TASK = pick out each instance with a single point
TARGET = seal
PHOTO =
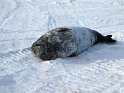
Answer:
(67, 42)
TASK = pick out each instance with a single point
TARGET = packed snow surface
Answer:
(100, 69)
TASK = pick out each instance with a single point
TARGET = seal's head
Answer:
(44, 50)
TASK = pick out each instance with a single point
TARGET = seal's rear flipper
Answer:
(109, 39)
(109, 36)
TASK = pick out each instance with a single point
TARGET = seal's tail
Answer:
(109, 39)
(103, 39)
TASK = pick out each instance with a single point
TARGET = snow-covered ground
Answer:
(97, 70)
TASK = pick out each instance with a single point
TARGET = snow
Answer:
(98, 70)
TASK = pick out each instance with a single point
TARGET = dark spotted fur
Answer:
(57, 43)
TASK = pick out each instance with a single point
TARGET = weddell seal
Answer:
(67, 42)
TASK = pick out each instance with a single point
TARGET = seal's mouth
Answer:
(48, 56)
(47, 51)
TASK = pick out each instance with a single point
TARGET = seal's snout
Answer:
(44, 50)
(35, 48)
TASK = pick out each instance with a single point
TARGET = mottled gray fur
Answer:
(67, 41)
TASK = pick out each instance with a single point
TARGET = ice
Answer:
(100, 69)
